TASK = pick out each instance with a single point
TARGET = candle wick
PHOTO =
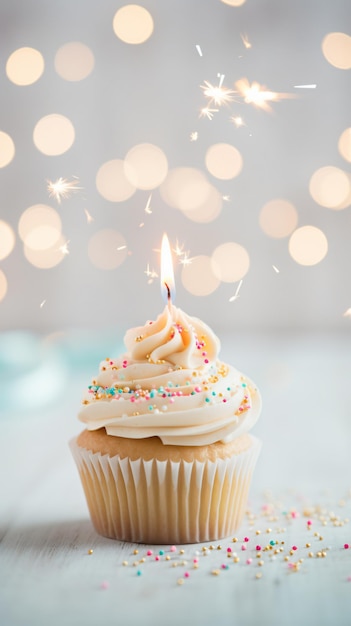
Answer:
(169, 299)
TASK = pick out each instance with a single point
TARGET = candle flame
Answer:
(167, 275)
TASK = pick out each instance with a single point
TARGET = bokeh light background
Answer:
(112, 97)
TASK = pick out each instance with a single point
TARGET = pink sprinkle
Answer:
(229, 549)
(223, 566)
(198, 389)
(105, 584)
(149, 553)
(111, 362)
(243, 547)
(171, 400)
(295, 514)
(196, 560)
(258, 548)
(173, 549)
(186, 574)
(224, 399)
(204, 353)
(291, 565)
(294, 548)
(248, 561)
(346, 546)
(348, 579)
(157, 558)
(246, 539)
(309, 522)
(206, 361)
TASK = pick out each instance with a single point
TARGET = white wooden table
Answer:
(47, 575)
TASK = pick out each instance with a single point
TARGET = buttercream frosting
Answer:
(170, 383)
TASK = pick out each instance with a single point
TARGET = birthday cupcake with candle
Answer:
(167, 456)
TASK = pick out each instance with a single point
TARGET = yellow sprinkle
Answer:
(308, 545)
(258, 555)
(142, 560)
(258, 575)
(260, 563)
(286, 558)
(195, 566)
(211, 547)
(181, 551)
(316, 534)
(175, 564)
(236, 559)
(135, 563)
(258, 532)
(235, 539)
(310, 554)
(203, 548)
(168, 558)
(125, 563)
(90, 551)
(324, 553)
(319, 554)
(216, 572)
(291, 552)
(269, 530)
(136, 551)
(180, 581)
(219, 547)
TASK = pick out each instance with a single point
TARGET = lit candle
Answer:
(167, 275)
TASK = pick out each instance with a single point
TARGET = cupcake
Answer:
(166, 456)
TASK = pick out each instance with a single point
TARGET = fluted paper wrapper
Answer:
(164, 501)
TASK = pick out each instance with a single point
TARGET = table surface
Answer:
(48, 576)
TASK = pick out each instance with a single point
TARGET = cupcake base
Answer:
(145, 492)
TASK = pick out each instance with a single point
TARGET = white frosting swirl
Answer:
(170, 384)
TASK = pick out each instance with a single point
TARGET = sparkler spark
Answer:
(226, 198)
(150, 273)
(89, 217)
(347, 313)
(194, 136)
(62, 188)
(217, 94)
(236, 295)
(206, 112)
(238, 121)
(245, 40)
(258, 95)
(186, 260)
(199, 50)
(121, 248)
(42, 304)
(147, 209)
(64, 248)
(305, 86)
(179, 249)
(275, 269)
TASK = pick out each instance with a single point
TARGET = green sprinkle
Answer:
(272, 543)
(139, 572)
(161, 552)
(207, 399)
(150, 407)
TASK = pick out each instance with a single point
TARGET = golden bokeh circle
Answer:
(344, 144)
(330, 187)
(308, 245)
(74, 61)
(336, 48)
(39, 227)
(133, 24)
(198, 277)
(146, 166)
(112, 182)
(24, 66)
(209, 210)
(223, 161)
(7, 149)
(230, 262)
(278, 218)
(53, 134)
(48, 257)
(3, 285)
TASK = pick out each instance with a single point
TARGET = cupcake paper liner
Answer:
(165, 502)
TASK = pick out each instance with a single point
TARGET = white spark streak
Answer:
(198, 48)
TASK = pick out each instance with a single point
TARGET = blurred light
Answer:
(48, 257)
(53, 134)
(7, 240)
(39, 227)
(330, 187)
(7, 149)
(107, 249)
(278, 218)
(133, 24)
(258, 95)
(344, 144)
(336, 48)
(74, 61)
(198, 278)
(234, 3)
(3, 285)
(230, 262)
(112, 182)
(185, 188)
(25, 66)
(146, 166)
(209, 210)
(223, 161)
(308, 245)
